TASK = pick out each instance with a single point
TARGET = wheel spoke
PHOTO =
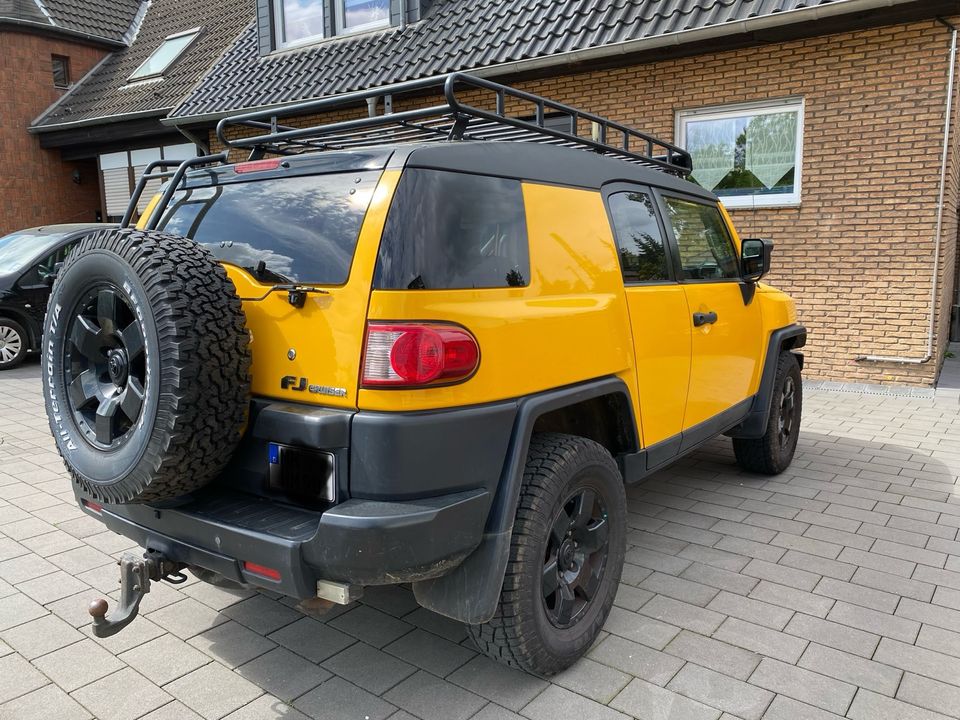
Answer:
(132, 340)
(107, 310)
(589, 583)
(595, 536)
(551, 579)
(106, 419)
(83, 389)
(131, 400)
(560, 526)
(88, 339)
(566, 599)
(583, 508)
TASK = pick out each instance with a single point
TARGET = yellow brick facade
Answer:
(858, 253)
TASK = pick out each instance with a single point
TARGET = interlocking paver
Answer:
(833, 634)
(851, 669)
(110, 698)
(637, 660)
(213, 691)
(287, 675)
(77, 665)
(429, 697)
(594, 680)
(18, 677)
(803, 685)
(164, 659)
(873, 621)
(721, 692)
(47, 703)
(643, 700)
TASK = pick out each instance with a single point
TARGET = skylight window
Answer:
(164, 56)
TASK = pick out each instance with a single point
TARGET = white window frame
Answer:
(340, 15)
(766, 107)
(193, 32)
(279, 27)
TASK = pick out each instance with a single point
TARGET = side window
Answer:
(448, 230)
(40, 273)
(706, 250)
(639, 240)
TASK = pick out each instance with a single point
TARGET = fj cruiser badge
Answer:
(301, 384)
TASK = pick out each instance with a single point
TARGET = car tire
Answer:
(14, 344)
(146, 363)
(773, 453)
(572, 502)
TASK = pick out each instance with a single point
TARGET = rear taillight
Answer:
(418, 354)
(257, 165)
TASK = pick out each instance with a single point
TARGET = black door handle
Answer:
(700, 318)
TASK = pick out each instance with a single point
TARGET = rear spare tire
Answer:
(146, 363)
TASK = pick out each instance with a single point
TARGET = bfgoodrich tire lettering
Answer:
(529, 630)
(144, 329)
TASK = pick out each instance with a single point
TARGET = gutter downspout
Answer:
(940, 203)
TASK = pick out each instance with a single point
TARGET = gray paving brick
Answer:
(312, 639)
(261, 614)
(883, 624)
(833, 634)
(714, 654)
(930, 614)
(807, 545)
(744, 531)
(77, 665)
(489, 712)
(655, 542)
(637, 660)
(935, 576)
(657, 561)
(871, 706)
(840, 537)
(827, 521)
(920, 661)
(909, 553)
(437, 624)
(818, 565)
(681, 614)
(894, 534)
(771, 643)
(46, 703)
(715, 557)
(496, 682)
(800, 684)
(186, 618)
(687, 518)
(757, 611)
(719, 578)
(750, 548)
(231, 644)
(643, 700)
(630, 597)
(852, 669)
(164, 659)
(286, 675)
(875, 561)
(920, 526)
(857, 594)
(784, 708)
(431, 652)
(640, 628)
(679, 589)
(110, 698)
(428, 697)
(41, 636)
(893, 584)
(721, 692)
(930, 694)
(267, 707)
(17, 678)
(792, 598)
(948, 597)
(934, 638)
(869, 516)
(594, 680)
(213, 691)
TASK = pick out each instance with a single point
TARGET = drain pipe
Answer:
(940, 202)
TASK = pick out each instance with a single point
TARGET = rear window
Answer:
(303, 229)
(448, 230)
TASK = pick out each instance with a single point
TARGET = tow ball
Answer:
(136, 572)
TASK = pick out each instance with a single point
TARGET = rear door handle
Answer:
(700, 318)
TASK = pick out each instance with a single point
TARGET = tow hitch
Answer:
(136, 572)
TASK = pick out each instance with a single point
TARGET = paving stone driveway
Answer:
(832, 590)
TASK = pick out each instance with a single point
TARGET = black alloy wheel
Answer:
(105, 371)
(576, 557)
(788, 406)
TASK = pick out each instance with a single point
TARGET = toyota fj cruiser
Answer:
(426, 347)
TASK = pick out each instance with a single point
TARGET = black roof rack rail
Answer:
(176, 177)
(481, 115)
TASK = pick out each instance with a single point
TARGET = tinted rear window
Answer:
(303, 229)
(448, 230)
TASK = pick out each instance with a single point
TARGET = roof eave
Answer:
(626, 47)
(48, 29)
(100, 120)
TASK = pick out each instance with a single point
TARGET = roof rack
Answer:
(482, 115)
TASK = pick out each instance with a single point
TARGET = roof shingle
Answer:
(99, 19)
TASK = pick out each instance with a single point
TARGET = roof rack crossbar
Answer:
(176, 178)
(465, 114)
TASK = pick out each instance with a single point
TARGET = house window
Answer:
(164, 56)
(300, 21)
(61, 71)
(749, 155)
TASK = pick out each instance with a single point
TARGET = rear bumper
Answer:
(363, 542)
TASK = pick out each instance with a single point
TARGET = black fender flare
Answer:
(470, 592)
(791, 337)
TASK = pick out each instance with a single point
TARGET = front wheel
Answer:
(566, 556)
(13, 344)
(773, 453)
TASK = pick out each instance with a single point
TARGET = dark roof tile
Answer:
(113, 20)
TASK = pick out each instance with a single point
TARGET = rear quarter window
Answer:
(448, 230)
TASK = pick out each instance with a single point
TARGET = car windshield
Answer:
(300, 229)
(20, 248)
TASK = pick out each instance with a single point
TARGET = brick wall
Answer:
(857, 255)
(36, 186)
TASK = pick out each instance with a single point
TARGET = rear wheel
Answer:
(566, 557)
(773, 453)
(13, 344)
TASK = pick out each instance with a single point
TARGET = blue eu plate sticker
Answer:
(274, 453)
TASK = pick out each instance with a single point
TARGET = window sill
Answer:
(323, 40)
(793, 204)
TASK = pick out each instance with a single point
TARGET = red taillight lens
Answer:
(257, 165)
(268, 573)
(417, 354)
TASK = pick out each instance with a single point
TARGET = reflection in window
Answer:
(163, 57)
(639, 239)
(747, 155)
(298, 20)
(302, 229)
(706, 250)
(353, 15)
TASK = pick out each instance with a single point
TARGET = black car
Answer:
(28, 265)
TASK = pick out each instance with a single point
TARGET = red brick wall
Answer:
(857, 255)
(36, 186)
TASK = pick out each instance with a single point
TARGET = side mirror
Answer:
(755, 257)
(50, 277)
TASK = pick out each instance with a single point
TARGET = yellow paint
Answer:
(148, 211)
(569, 325)
(327, 333)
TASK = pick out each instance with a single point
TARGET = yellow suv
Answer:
(425, 347)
